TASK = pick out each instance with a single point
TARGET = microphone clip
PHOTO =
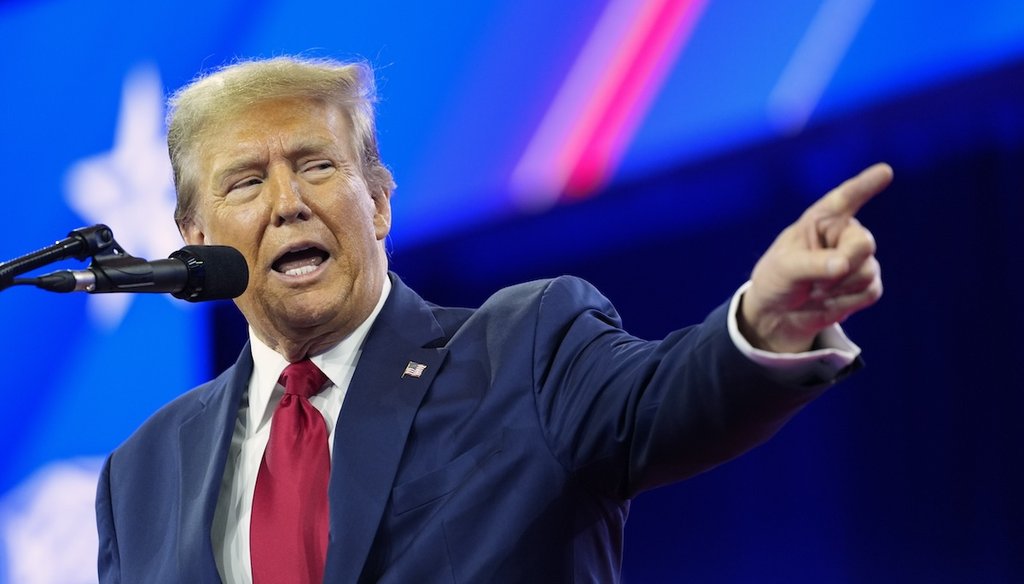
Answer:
(130, 272)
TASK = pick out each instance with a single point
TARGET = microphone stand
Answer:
(96, 241)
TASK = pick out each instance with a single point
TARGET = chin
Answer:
(309, 314)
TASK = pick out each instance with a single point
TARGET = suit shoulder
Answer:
(559, 300)
(562, 290)
(536, 305)
(155, 430)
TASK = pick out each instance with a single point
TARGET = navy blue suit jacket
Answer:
(511, 459)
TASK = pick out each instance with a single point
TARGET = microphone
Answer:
(194, 273)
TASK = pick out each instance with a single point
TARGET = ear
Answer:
(382, 214)
(191, 232)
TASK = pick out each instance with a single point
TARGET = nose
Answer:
(286, 196)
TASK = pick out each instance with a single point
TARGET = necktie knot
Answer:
(303, 378)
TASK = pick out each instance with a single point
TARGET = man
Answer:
(500, 444)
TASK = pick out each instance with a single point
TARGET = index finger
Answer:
(849, 197)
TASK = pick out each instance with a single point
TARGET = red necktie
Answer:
(288, 534)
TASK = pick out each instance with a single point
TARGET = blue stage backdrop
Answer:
(535, 137)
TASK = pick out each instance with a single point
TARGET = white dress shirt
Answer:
(231, 520)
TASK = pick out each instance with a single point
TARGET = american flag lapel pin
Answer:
(413, 369)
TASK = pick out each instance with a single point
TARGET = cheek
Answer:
(239, 226)
(361, 212)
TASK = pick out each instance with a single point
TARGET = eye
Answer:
(251, 181)
(318, 168)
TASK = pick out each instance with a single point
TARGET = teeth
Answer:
(300, 271)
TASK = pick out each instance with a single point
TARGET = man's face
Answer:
(280, 182)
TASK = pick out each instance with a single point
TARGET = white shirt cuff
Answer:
(833, 350)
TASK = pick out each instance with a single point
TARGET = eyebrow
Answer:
(306, 145)
(299, 148)
(238, 165)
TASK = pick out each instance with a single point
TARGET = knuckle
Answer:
(869, 240)
(875, 290)
(870, 269)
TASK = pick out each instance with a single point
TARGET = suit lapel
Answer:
(204, 440)
(375, 419)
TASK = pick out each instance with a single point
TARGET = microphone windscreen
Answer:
(215, 272)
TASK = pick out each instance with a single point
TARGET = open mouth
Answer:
(300, 262)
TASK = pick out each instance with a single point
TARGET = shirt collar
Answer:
(338, 363)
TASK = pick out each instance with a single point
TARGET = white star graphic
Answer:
(130, 188)
(47, 525)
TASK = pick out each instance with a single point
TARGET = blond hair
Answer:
(225, 92)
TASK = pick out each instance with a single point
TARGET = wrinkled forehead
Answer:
(275, 127)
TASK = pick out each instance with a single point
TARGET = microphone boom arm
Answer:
(95, 241)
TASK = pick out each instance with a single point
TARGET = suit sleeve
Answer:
(109, 560)
(624, 415)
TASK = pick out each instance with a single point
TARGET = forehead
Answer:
(282, 126)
